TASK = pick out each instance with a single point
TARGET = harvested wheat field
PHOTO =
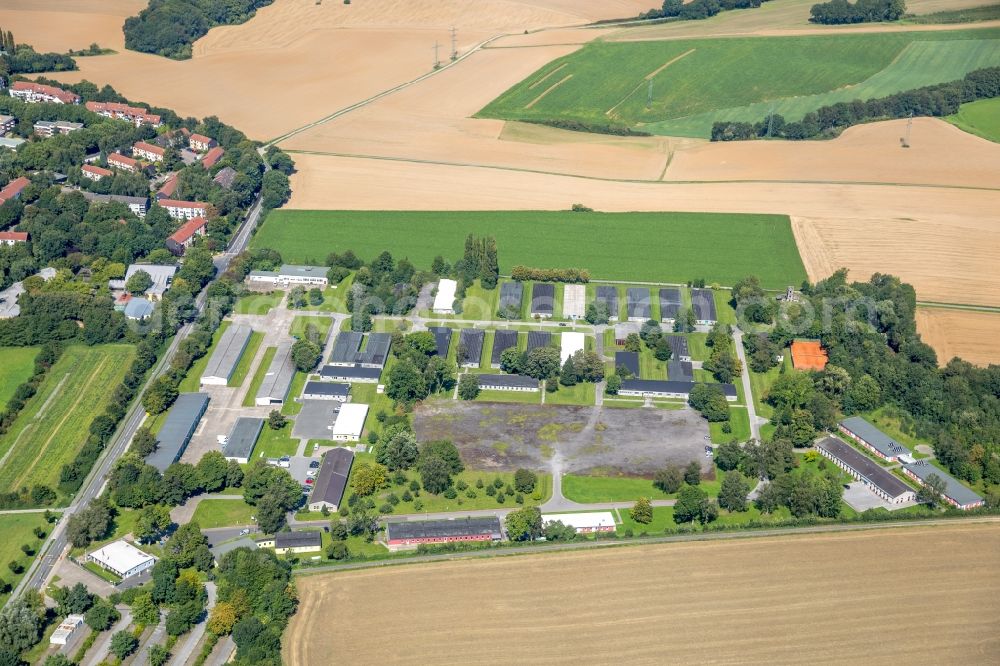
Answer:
(60, 25)
(825, 598)
(972, 336)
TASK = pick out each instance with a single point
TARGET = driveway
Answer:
(100, 649)
(185, 646)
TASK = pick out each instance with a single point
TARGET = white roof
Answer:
(574, 300)
(121, 556)
(581, 520)
(350, 420)
(445, 298)
(160, 275)
(571, 343)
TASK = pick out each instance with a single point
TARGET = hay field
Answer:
(790, 600)
(60, 25)
(972, 336)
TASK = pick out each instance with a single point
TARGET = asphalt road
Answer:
(56, 544)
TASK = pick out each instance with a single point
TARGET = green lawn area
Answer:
(760, 383)
(246, 360)
(721, 248)
(50, 429)
(17, 529)
(581, 394)
(17, 364)
(322, 324)
(591, 489)
(335, 297)
(258, 377)
(377, 402)
(649, 366)
(699, 81)
(291, 407)
(698, 346)
(258, 304)
(981, 118)
(223, 513)
(192, 380)
(739, 421)
(480, 303)
(275, 443)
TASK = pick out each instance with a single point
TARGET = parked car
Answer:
(310, 481)
(245, 531)
(306, 490)
(310, 472)
(284, 461)
(314, 464)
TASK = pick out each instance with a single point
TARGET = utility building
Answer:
(638, 304)
(442, 340)
(444, 300)
(571, 343)
(511, 294)
(412, 533)
(878, 479)
(538, 339)
(502, 341)
(670, 304)
(178, 428)
(574, 301)
(543, 298)
(608, 297)
(507, 383)
(223, 361)
(242, 439)
(703, 304)
(331, 481)
(470, 347)
(278, 380)
(122, 559)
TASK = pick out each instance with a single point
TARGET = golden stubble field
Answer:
(885, 596)
(972, 336)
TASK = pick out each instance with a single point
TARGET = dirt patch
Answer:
(972, 336)
(502, 437)
(623, 598)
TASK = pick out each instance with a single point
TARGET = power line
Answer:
(454, 46)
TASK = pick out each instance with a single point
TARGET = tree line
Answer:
(936, 100)
(837, 12)
(169, 27)
(697, 9)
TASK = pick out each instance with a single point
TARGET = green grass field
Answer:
(258, 304)
(981, 118)
(718, 247)
(17, 530)
(52, 427)
(275, 443)
(592, 489)
(258, 377)
(17, 364)
(322, 324)
(739, 423)
(223, 513)
(243, 367)
(696, 82)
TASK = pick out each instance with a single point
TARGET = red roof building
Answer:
(95, 173)
(184, 237)
(36, 92)
(133, 114)
(184, 210)
(148, 151)
(13, 189)
(168, 188)
(11, 237)
(212, 157)
(200, 142)
(119, 161)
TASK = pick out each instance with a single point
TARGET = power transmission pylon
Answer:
(454, 47)
(905, 141)
(649, 95)
(437, 61)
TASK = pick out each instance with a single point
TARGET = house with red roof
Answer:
(168, 188)
(184, 237)
(133, 114)
(11, 237)
(212, 157)
(148, 151)
(33, 93)
(13, 189)
(119, 161)
(95, 173)
(200, 143)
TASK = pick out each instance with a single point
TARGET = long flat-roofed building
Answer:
(32, 93)
(177, 429)
(183, 210)
(331, 481)
(121, 558)
(502, 341)
(274, 388)
(538, 339)
(574, 301)
(608, 297)
(679, 349)
(507, 383)
(345, 348)
(350, 374)
(637, 303)
(290, 275)
(412, 533)
(874, 440)
(326, 391)
(162, 276)
(703, 304)
(350, 422)
(543, 299)
(627, 360)
(878, 479)
(470, 347)
(442, 340)
(444, 299)
(680, 371)
(583, 523)
(376, 350)
(511, 295)
(296, 541)
(571, 343)
(670, 304)
(656, 388)
(242, 439)
(223, 361)
(955, 493)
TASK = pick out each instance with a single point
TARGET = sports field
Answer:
(728, 602)
(53, 426)
(981, 118)
(680, 87)
(16, 365)
(665, 247)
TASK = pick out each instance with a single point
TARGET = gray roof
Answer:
(680, 370)
(670, 302)
(511, 294)
(223, 361)
(292, 270)
(332, 478)
(442, 339)
(629, 360)
(670, 386)
(161, 275)
(472, 340)
(638, 302)
(138, 308)
(502, 341)
(880, 441)
(225, 177)
(376, 351)
(223, 548)
(107, 198)
(703, 304)
(507, 380)
(953, 489)
(538, 339)
(243, 437)
(298, 539)
(435, 529)
(345, 347)
(349, 372)
(870, 471)
(326, 388)
(279, 375)
(543, 298)
(678, 345)
(609, 296)
(180, 424)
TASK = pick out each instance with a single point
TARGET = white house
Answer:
(444, 301)
(288, 276)
(122, 559)
(570, 344)
(350, 422)
(148, 151)
(184, 210)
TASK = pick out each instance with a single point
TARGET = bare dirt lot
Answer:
(799, 599)
(588, 440)
(972, 336)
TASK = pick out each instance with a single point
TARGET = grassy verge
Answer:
(223, 513)
(739, 422)
(17, 530)
(258, 377)
(246, 360)
(580, 394)
(258, 304)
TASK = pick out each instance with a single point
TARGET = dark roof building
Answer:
(242, 439)
(471, 342)
(442, 340)
(507, 383)
(226, 356)
(627, 360)
(670, 303)
(879, 480)
(345, 348)
(637, 302)
(177, 429)
(298, 539)
(680, 371)
(658, 388)
(502, 341)
(511, 294)
(873, 439)
(331, 481)
(415, 532)
(679, 347)
(326, 391)
(350, 373)
(376, 351)
(703, 304)
(543, 299)
(538, 339)
(954, 492)
(274, 388)
(609, 297)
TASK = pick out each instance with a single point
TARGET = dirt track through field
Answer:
(890, 595)
(548, 90)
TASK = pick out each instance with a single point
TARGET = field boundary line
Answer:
(548, 90)
(991, 309)
(542, 80)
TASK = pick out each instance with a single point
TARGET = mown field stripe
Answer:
(548, 90)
